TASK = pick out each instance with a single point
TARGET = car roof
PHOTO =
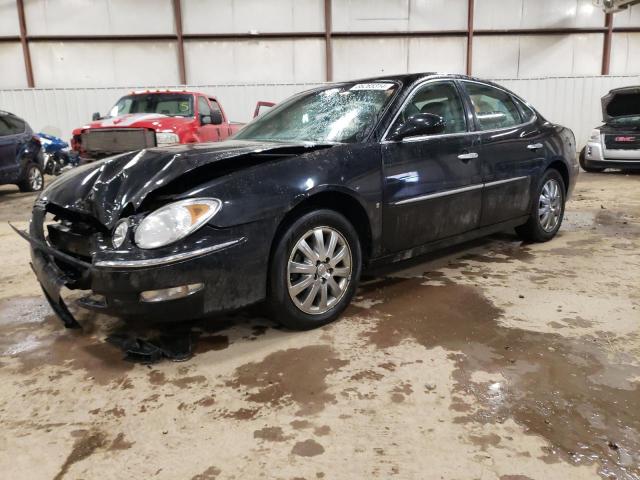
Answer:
(629, 89)
(4, 113)
(410, 78)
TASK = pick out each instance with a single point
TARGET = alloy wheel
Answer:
(35, 179)
(550, 205)
(319, 270)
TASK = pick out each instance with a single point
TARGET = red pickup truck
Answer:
(153, 118)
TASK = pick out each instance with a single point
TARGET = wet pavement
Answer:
(492, 360)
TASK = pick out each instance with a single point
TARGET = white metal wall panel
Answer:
(496, 55)
(537, 55)
(9, 18)
(370, 15)
(390, 15)
(499, 14)
(243, 16)
(104, 63)
(570, 101)
(214, 61)
(442, 54)
(627, 18)
(98, 17)
(546, 55)
(358, 58)
(625, 53)
(13, 72)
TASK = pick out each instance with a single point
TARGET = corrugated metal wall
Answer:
(69, 62)
(571, 101)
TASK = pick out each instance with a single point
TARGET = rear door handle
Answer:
(535, 146)
(468, 156)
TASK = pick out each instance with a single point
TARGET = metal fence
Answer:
(570, 101)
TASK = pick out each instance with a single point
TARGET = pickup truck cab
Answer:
(147, 119)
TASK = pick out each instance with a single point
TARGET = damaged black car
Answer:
(293, 208)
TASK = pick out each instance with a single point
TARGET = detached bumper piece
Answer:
(177, 347)
(51, 278)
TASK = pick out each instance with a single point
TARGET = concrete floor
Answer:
(494, 360)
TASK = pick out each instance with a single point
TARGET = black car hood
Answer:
(621, 102)
(104, 189)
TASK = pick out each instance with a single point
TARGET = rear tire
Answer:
(585, 166)
(33, 180)
(314, 271)
(547, 209)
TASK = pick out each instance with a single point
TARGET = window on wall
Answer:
(440, 99)
(493, 108)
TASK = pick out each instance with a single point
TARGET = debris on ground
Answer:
(176, 347)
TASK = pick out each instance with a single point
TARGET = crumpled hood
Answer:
(156, 121)
(105, 188)
(621, 102)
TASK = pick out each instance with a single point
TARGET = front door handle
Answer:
(535, 146)
(468, 156)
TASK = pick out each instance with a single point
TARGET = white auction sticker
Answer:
(372, 86)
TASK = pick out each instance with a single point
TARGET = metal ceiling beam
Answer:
(25, 44)
(606, 46)
(470, 17)
(177, 17)
(328, 46)
(318, 35)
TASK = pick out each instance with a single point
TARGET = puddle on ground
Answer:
(295, 375)
(567, 391)
(49, 344)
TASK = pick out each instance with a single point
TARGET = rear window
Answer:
(527, 113)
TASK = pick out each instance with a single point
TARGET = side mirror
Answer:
(216, 118)
(205, 119)
(418, 125)
(95, 116)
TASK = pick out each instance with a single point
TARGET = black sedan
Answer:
(21, 160)
(329, 182)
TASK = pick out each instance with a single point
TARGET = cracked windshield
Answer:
(342, 114)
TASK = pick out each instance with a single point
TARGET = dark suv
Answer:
(21, 160)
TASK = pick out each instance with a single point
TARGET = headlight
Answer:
(175, 221)
(595, 136)
(120, 233)
(166, 138)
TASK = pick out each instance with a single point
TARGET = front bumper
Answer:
(231, 266)
(597, 156)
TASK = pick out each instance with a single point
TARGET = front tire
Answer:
(33, 180)
(585, 166)
(314, 271)
(547, 209)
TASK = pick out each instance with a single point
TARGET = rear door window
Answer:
(493, 108)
